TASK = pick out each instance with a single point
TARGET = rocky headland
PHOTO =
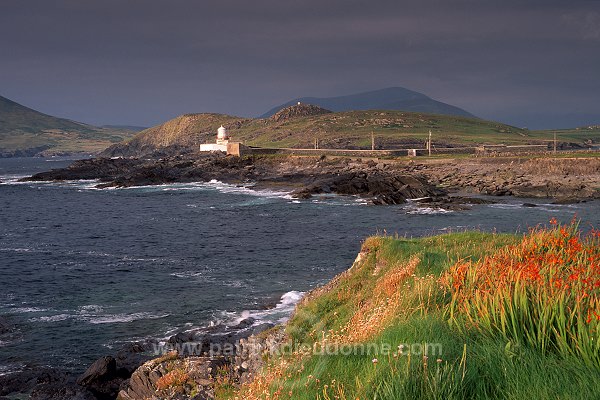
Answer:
(380, 181)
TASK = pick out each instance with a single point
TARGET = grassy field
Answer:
(57, 141)
(392, 129)
(458, 316)
(27, 130)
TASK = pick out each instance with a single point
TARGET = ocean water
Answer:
(83, 270)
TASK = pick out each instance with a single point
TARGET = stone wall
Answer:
(441, 150)
(327, 152)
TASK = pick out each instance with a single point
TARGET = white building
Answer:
(221, 143)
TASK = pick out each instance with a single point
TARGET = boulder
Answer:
(102, 378)
(103, 369)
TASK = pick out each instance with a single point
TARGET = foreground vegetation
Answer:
(464, 316)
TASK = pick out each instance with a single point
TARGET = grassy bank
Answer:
(458, 316)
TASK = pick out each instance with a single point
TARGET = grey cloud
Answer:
(143, 61)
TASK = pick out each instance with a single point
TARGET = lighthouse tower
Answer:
(222, 135)
(221, 143)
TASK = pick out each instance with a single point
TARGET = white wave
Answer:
(11, 179)
(235, 283)
(121, 318)
(279, 314)
(90, 308)
(505, 206)
(52, 318)
(245, 189)
(24, 310)
(10, 368)
(20, 249)
(187, 274)
(81, 184)
(428, 211)
(94, 314)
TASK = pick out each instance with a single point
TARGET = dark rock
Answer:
(61, 392)
(43, 384)
(182, 337)
(102, 378)
(302, 194)
(103, 369)
(567, 200)
(530, 205)
(245, 323)
(131, 356)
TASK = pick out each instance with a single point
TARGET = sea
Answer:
(84, 271)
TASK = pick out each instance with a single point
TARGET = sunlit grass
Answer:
(400, 293)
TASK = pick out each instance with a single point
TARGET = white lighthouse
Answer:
(220, 144)
(222, 135)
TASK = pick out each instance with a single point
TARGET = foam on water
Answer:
(11, 179)
(278, 314)
(122, 318)
(245, 189)
(52, 318)
(94, 314)
(427, 211)
(10, 368)
(23, 310)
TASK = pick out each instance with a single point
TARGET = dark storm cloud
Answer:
(141, 62)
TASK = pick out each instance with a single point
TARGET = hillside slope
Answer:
(294, 128)
(394, 98)
(27, 132)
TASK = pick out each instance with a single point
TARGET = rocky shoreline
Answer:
(135, 371)
(381, 182)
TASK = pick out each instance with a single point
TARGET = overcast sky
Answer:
(141, 62)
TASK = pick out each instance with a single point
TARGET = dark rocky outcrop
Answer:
(307, 176)
(382, 182)
(382, 188)
(193, 376)
(102, 378)
(43, 383)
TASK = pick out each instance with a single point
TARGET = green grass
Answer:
(461, 364)
(22, 128)
(352, 129)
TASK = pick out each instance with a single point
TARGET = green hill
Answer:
(27, 132)
(350, 129)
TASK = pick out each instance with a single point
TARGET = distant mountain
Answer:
(394, 98)
(27, 132)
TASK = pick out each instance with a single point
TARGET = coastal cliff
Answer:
(405, 321)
